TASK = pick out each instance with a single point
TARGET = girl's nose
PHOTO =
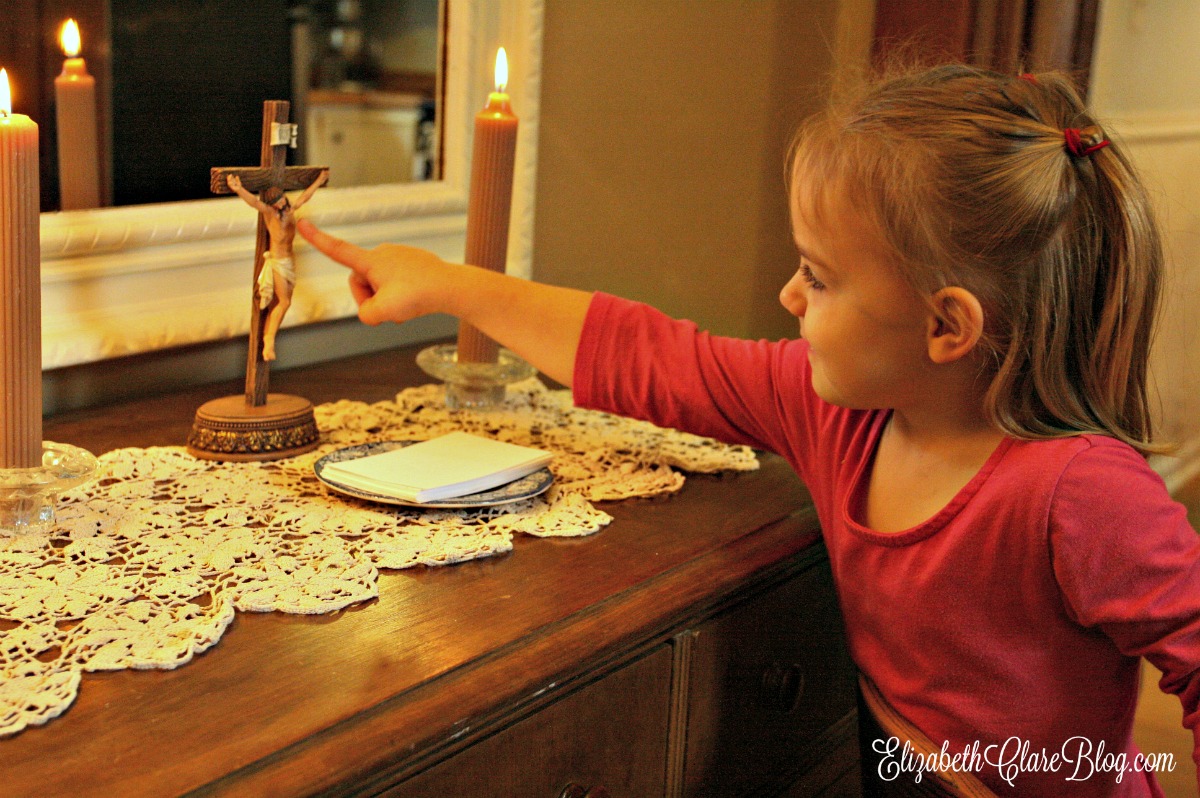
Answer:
(793, 297)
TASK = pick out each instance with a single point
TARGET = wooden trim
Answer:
(1179, 469)
(999, 34)
(832, 753)
(684, 646)
(935, 783)
(917, 30)
(1085, 41)
(1004, 35)
(1142, 128)
(1050, 34)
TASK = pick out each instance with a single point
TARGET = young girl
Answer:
(977, 282)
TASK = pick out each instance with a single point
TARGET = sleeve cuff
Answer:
(589, 354)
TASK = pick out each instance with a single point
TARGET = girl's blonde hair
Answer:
(969, 179)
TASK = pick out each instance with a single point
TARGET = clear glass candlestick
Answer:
(473, 385)
(28, 495)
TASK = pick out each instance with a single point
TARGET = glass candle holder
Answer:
(28, 495)
(473, 385)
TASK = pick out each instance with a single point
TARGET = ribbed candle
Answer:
(78, 142)
(20, 290)
(489, 206)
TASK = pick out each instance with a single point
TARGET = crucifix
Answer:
(269, 181)
(261, 425)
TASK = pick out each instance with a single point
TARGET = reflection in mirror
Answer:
(366, 86)
(189, 78)
(181, 85)
(126, 280)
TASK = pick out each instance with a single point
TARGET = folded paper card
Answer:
(441, 468)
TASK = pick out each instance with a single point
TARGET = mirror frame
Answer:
(127, 280)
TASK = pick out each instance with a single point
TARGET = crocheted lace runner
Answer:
(147, 564)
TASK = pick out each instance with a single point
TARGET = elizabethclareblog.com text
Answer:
(1079, 759)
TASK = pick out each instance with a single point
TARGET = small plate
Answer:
(526, 487)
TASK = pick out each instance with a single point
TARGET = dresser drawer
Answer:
(609, 737)
(766, 679)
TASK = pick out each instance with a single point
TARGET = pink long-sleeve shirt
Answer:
(1010, 623)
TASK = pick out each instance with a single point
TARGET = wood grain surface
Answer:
(359, 699)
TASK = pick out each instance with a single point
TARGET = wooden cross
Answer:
(277, 136)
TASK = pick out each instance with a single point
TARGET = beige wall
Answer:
(1146, 84)
(664, 133)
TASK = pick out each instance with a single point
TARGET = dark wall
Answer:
(207, 65)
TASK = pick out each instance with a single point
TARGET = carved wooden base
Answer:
(231, 429)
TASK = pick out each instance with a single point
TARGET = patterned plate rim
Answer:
(526, 487)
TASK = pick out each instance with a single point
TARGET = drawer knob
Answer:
(573, 790)
(781, 687)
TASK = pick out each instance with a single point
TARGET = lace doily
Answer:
(147, 564)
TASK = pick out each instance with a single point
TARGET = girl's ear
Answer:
(955, 324)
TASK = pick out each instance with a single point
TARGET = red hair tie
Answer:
(1082, 146)
(1028, 78)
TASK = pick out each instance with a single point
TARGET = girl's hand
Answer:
(389, 283)
(541, 323)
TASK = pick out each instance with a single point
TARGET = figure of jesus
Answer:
(278, 274)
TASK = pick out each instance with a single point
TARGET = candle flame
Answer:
(5, 95)
(501, 70)
(70, 38)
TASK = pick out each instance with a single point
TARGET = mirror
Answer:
(179, 87)
(361, 77)
(123, 280)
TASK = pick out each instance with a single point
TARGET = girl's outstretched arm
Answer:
(391, 282)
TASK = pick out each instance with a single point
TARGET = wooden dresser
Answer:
(692, 648)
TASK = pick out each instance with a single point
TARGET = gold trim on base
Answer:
(229, 429)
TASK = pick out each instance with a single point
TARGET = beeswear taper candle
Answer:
(20, 289)
(490, 200)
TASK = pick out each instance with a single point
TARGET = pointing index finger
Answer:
(339, 250)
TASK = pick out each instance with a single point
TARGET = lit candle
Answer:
(78, 153)
(490, 200)
(20, 289)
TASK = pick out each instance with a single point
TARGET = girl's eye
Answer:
(807, 273)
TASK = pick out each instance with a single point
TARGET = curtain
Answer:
(1005, 35)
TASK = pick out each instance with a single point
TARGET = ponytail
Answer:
(1079, 351)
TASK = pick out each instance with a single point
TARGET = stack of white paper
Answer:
(442, 468)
